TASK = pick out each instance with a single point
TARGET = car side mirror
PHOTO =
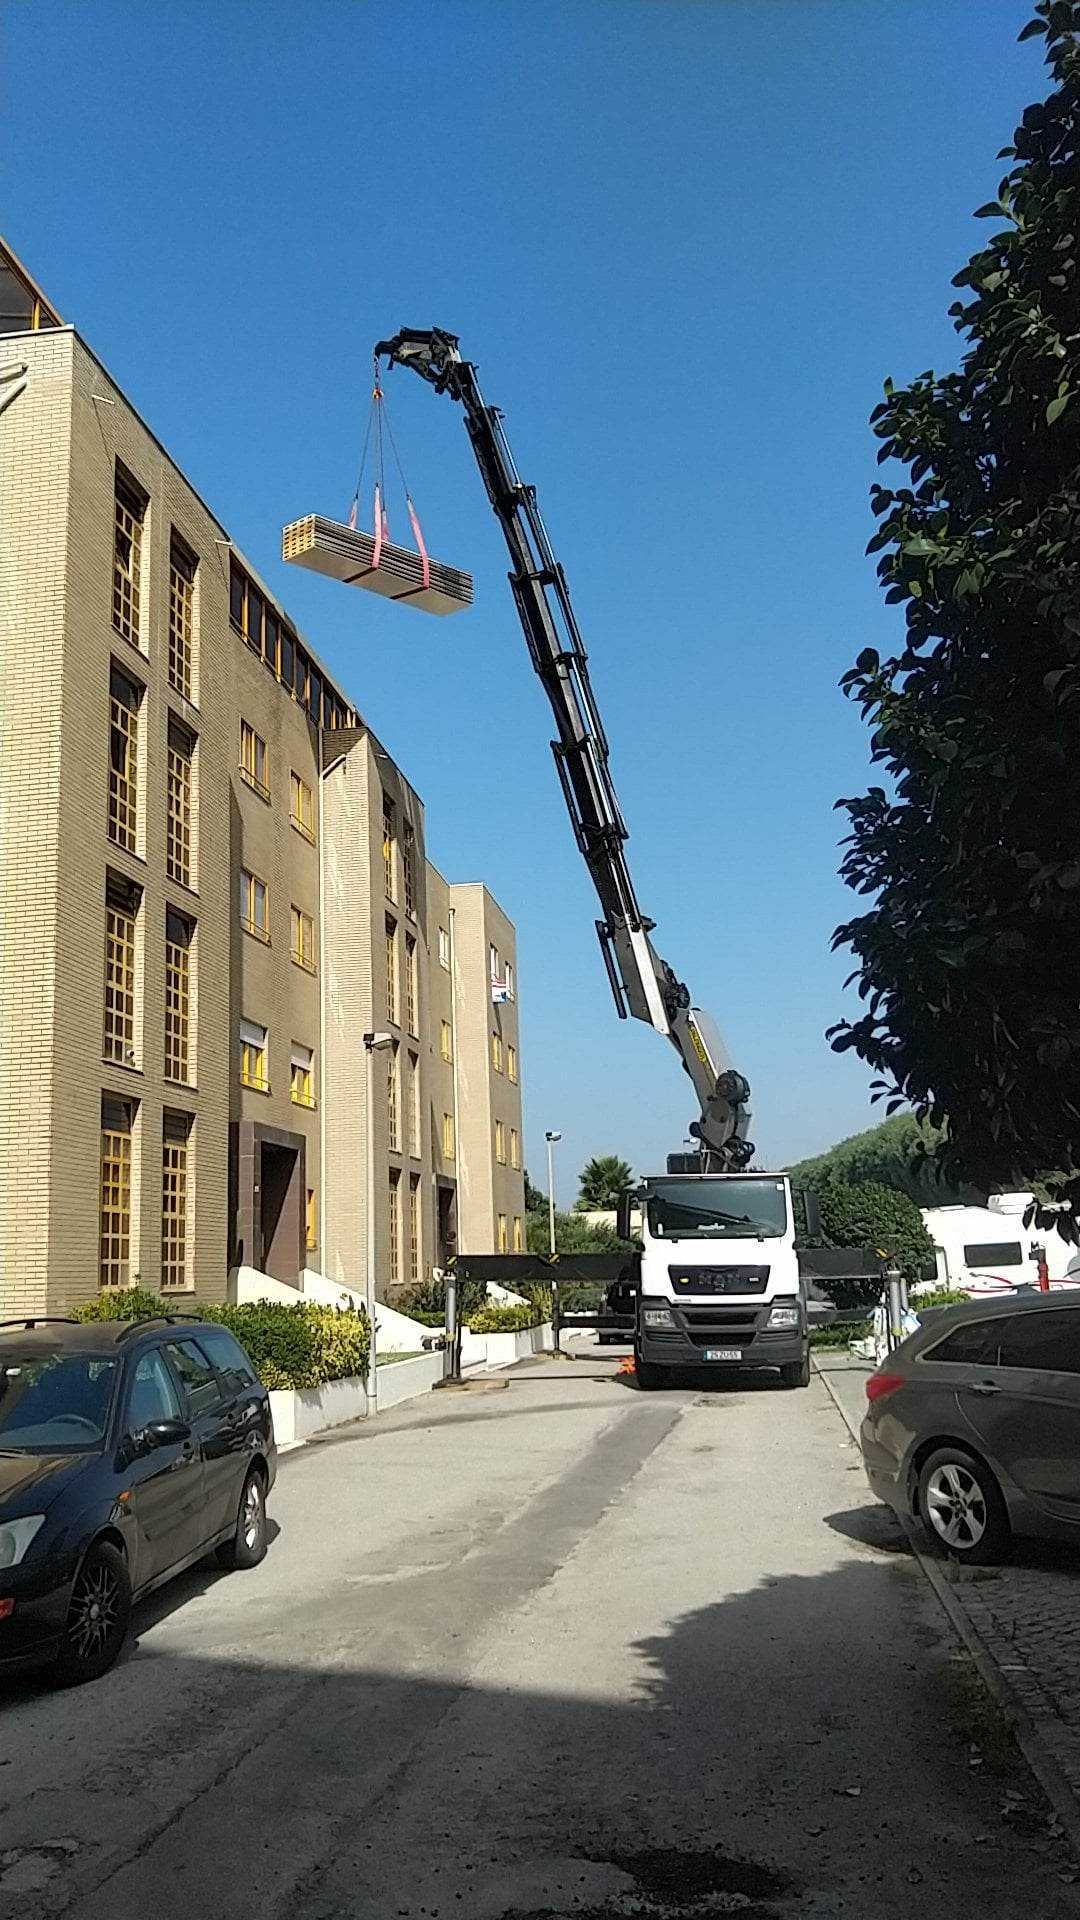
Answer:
(622, 1215)
(163, 1433)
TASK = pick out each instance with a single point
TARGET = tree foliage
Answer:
(969, 957)
(603, 1178)
(573, 1234)
(870, 1215)
(903, 1152)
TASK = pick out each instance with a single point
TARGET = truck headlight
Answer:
(15, 1537)
(657, 1317)
(784, 1314)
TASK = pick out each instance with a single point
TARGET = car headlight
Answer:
(657, 1317)
(784, 1314)
(15, 1537)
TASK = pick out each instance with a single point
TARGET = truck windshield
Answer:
(718, 1210)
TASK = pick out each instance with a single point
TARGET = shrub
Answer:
(503, 1319)
(289, 1343)
(870, 1215)
(940, 1297)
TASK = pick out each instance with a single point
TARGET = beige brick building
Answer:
(213, 884)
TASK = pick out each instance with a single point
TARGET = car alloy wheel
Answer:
(98, 1615)
(252, 1520)
(956, 1506)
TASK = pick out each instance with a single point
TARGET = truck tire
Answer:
(798, 1373)
(648, 1375)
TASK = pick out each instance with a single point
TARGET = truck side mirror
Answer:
(807, 1205)
(622, 1214)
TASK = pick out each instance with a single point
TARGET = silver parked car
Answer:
(973, 1424)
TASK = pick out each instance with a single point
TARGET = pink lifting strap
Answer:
(419, 538)
(380, 527)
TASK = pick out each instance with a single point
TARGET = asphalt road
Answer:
(562, 1650)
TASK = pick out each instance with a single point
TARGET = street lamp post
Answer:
(373, 1043)
(551, 1139)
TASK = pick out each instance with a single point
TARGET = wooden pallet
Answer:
(324, 546)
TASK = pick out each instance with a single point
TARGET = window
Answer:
(966, 1345)
(500, 1143)
(448, 1136)
(176, 1129)
(228, 1358)
(414, 1105)
(302, 807)
(493, 961)
(503, 1242)
(253, 1062)
(393, 1120)
(153, 1395)
(1049, 1341)
(511, 1065)
(496, 1052)
(414, 1226)
(519, 1243)
(198, 1381)
(391, 972)
(124, 700)
(408, 869)
(994, 1253)
(311, 1221)
(270, 636)
(444, 948)
(253, 763)
(515, 1149)
(114, 1245)
(302, 1083)
(446, 1040)
(395, 1226)
(411, 991)
(182, 564)
(511, 989)
(178, 933)
(388, 847)
(254, 905)
(121, 908)
(129, 514)
(303, 939)
(178, 822)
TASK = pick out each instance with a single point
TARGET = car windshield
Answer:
(718, 1210)
(54, 1402)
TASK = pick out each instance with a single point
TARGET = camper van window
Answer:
(995, 1253)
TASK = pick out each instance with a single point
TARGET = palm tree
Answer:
(602, 1180)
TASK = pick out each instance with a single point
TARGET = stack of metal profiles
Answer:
(344, 554)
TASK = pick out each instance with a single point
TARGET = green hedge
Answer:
(496, 1319)
(290, 1344)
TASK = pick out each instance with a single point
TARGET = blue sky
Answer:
(686, 243)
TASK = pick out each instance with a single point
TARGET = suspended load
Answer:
(372, 560)
(363, 560)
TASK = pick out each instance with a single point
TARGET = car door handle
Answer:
(984, 1387)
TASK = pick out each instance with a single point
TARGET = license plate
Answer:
(723, 1353)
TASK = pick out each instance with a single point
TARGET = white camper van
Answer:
(988, 1250)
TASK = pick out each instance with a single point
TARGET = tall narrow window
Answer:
(395, 1225)
(500, 1143)
(444, 948)
(114, 1245)
(254, 905)
(446, 1040)
(130, 512)
(181, 750)
(448, 1136)
(182, 565)
(175, 1135)
(496, 1052)
(301, 806)
(393, 1118)
(391, 973)
(511, 986)
(515, 1149)
(253, 760)
(388, 847)
(408, 868)
(302, 1082)
(503, 1244)
(311, 1222)
(518, 1241)
(411, 993)
(303, 939)
(414, 1226)
(493, 961)
(511, 1065)
(254, 1069)
(121, 908)
(414, 1105)
(178, 932)
(124, 701)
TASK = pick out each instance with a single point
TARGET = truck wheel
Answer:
(797, 1374)
(647, 1374)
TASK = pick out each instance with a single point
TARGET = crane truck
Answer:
(717, 1278)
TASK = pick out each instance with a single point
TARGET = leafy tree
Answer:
(969, 957)
(535, 1200)
(602, 1180)
(902, 1152)
(871, 1215)
(572, 1234)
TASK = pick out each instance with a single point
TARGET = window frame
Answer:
(301, 817)
(180, 661)
(180, 748)
(176, 1238)
(259, 1051)
(249, 881)
(302, 939)
(178, 1022)
(131, 503)
(122, 809)
(302, 1076)
(259, 783)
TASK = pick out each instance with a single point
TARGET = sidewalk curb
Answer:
(1029, 1739)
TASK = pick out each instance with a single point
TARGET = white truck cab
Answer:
(719, 1275)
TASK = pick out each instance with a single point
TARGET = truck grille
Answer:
(719, 1326)
(718, 1280)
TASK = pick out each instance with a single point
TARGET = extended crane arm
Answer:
(643, 984)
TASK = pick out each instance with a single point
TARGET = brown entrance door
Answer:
(279, 1211)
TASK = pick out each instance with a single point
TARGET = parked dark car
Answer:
(620, 1299)
(128, 1450)
(973, 1424)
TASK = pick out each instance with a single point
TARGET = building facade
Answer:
(213, 885)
